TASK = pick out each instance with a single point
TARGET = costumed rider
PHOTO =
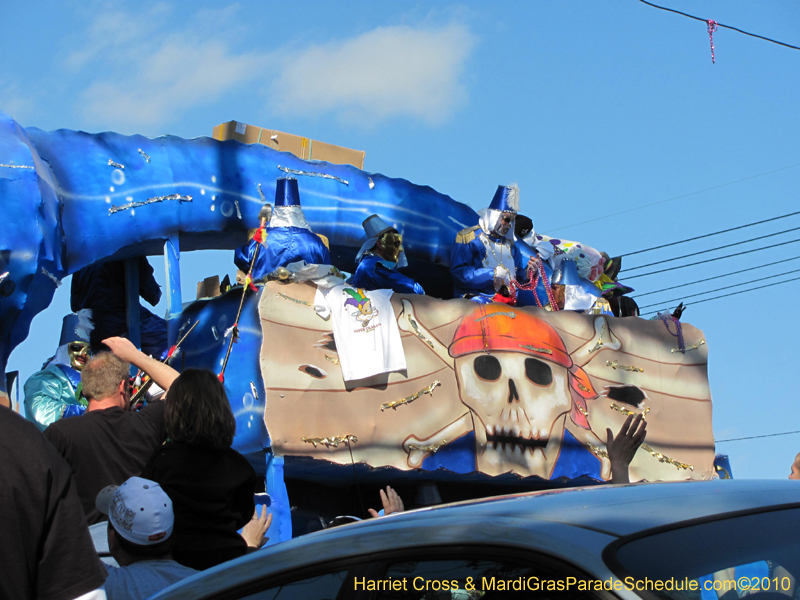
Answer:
(380, 257)
(102, 288)
(285, 236)
(484, 259)
(55, 391)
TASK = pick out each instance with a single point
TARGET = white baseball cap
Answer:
(139, 510)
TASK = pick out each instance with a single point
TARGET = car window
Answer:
(471, 578)
(754, 555)
(317, 587)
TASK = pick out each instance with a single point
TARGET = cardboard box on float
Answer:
(286, 142)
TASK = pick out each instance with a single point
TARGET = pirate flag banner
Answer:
(489, 388)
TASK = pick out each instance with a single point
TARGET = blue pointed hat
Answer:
(286, 192)
(506, 199)
(76, 327)
(375, 227)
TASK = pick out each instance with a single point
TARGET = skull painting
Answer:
(519, 402)
(515, 375)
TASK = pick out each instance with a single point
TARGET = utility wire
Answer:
(727, 287)
(653, 312)
(755, 437)
(777, 262)
(759, 238)
(716, 187)
(761, 37)
(700, 237)
(702, 262)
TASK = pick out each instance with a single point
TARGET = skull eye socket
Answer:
(538, 372)
(487, 367)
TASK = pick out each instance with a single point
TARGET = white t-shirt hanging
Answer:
(365, 330)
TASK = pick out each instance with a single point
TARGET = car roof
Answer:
(621, 510)
(574, 524)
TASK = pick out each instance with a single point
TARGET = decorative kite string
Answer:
(515, 285)
(679, 329)
(712, 27)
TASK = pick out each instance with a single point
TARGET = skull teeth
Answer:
(506, 441)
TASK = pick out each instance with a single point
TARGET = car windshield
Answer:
(756, 555)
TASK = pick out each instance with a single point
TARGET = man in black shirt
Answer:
(46, 550)
(110, 443)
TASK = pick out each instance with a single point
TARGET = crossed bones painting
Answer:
(490, 388)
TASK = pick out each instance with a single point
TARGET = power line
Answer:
(700, 237)
(731, 294)
(777, 262)
(727, 287)
(702, 262)
(755, 239)
(755, 437)
(716, 187)
(761, 37)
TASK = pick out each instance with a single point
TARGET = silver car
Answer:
(706, 540)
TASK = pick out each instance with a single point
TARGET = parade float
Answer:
(492, 398)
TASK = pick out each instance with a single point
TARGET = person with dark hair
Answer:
(110, 443)
(46, 551)
(140, 522)
(211, 485)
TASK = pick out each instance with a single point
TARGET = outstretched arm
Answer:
(161, 373)
(254, 533)
(622, 448)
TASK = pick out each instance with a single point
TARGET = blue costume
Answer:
(53, 392)
(376, 273)
(472, 264)
(288, 238)
(284, 245)
(485, 257)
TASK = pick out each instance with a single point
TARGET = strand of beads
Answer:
(540, 275)
(678, 328)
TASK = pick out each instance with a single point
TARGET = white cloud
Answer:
(177, 76)
(141, 69)
(145, 70)
(115, 31)
(387, 72)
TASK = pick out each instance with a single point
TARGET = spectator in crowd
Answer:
(46, 550)
(110, 443)
(140, 521)
(391, 501)
(211, 485)
(623, 447)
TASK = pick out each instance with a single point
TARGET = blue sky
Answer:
(610, 115)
